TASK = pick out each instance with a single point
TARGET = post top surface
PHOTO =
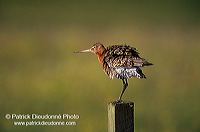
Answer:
(121, 102)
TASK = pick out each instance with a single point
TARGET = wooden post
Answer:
(121, 116)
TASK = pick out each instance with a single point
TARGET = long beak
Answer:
(88, 50)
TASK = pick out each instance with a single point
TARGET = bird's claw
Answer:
(118, 100)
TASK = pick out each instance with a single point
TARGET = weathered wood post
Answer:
(121, 116)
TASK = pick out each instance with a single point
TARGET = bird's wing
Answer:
(123, 67)
(123, 56)
(117, 50)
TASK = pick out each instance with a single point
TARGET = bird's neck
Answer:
(101, 57)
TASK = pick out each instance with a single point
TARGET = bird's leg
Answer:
(125, 85)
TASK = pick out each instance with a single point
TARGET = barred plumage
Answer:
(120, 61)
(123, 62)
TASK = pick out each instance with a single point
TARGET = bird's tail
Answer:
(141, 62)
(146, 63)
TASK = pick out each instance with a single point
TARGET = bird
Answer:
(120, 61)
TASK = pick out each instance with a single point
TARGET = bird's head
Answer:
(97, 49)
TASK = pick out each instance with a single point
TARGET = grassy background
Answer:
(40, 74)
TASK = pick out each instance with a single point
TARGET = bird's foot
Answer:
(118, 100)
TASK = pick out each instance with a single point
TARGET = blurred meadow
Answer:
(40, 74)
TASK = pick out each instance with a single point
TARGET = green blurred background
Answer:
(39, 73)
